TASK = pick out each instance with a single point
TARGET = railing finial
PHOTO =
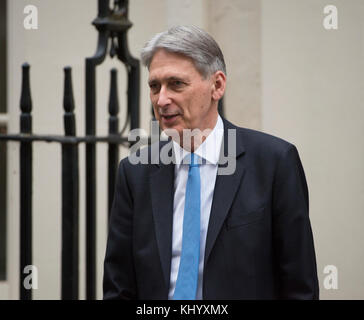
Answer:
(25, 101)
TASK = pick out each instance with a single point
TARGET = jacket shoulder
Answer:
(145, 158)
(254, 139)
(258, 140)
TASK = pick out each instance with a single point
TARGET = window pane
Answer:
(2, 56)
(2, 206)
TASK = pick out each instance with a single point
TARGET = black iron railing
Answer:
(112, 26)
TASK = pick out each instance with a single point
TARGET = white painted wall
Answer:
(313, 95)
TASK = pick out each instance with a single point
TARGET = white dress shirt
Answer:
(209, 150)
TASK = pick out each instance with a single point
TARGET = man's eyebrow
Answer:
(171, 78)
(152, 81)
(174, 78)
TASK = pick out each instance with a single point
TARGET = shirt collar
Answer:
(208, 150)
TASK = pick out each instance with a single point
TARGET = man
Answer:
(184, 230)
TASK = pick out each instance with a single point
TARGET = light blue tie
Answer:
(186, 285)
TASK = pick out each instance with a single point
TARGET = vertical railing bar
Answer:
(113, 152)
(103, 8)
(133, 95)
(25, 186)
(70, 198)
(91, 64)
(133, 67)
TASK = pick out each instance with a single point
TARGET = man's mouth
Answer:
(169, 116)
(169, 119)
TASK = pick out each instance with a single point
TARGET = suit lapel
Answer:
(161, 185)
(226, 187)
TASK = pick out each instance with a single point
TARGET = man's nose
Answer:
(163, 97)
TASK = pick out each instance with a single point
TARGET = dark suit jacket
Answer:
(259, 242)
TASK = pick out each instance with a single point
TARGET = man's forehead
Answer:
(168, 65)
(163, 58)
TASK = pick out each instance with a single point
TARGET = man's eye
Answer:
(177, 83)
(154, 87)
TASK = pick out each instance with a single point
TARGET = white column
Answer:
(236, 26)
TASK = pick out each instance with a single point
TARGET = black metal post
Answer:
(103, 8)
(25, 185)
(133, 94)
(70, 197)
(91, 64)
(133, 69)
(113, 130)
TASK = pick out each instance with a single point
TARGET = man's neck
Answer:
(191, 139)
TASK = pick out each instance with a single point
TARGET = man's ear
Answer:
(219, 84)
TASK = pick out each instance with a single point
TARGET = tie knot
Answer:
(194, 160)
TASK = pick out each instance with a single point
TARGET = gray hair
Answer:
(191, 42)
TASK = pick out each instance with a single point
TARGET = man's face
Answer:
(181, 97)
